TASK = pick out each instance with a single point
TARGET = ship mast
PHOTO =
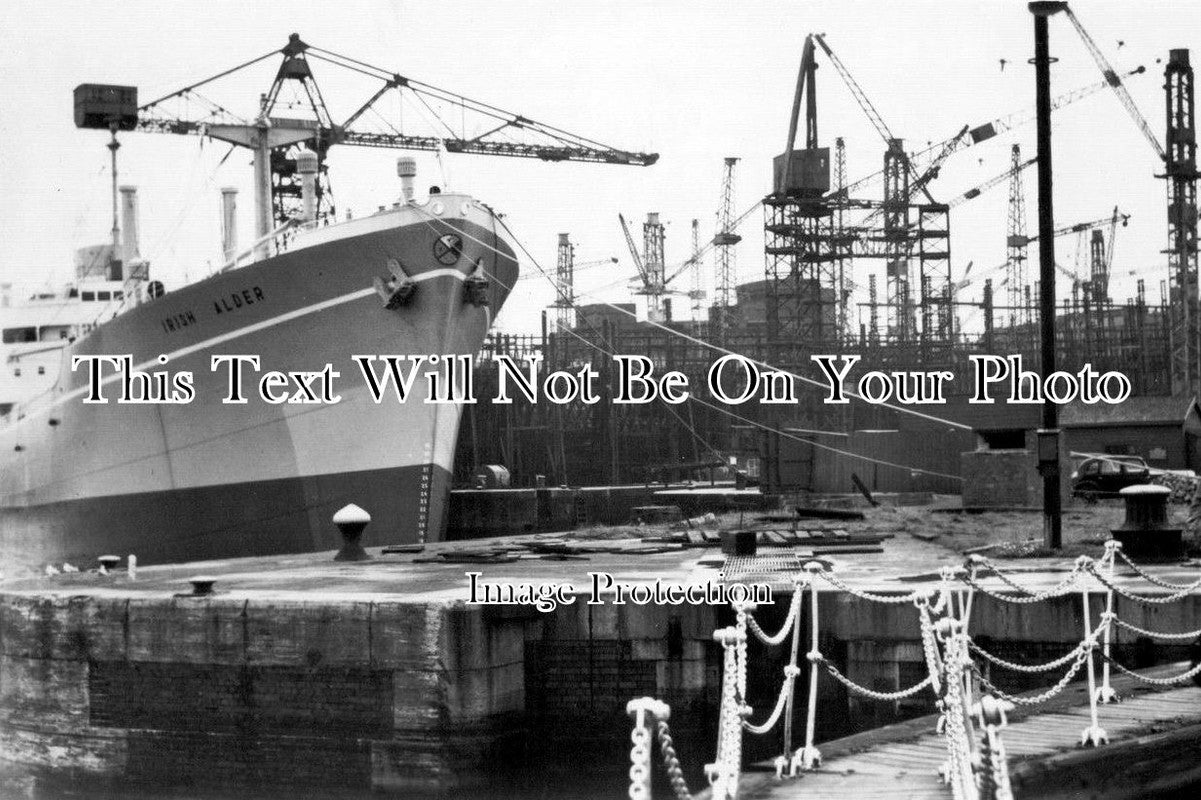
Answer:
(113, 146)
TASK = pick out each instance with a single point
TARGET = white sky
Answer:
(694, 81)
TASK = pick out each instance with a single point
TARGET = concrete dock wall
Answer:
(366, 694)
(428, 698)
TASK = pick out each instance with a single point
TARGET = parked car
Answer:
(1105, 476)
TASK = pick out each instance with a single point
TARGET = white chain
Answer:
(671, 763)
(639, 758)
(949, 669)
(785, 629)
(1081, 657)
(723, 774)
(781, 700)
(1140, 598)
(1158, 634)
(1030, 669)
(1182, 677)
(888, 599)
(871, 693)
(1176, 587)
(1057, 590)
(954, 726)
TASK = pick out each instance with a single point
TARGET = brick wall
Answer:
(999, 478)
(327, 701)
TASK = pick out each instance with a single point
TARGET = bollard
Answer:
(1146, 534)
(131, 566)
(351, 520)
(739, 543)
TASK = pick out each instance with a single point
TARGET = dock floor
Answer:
(1043, 745)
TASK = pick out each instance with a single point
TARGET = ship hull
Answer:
(212, 479)
(250, 518)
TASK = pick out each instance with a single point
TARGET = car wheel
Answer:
(1088, 492)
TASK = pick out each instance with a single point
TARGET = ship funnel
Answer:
(306, 165)
(229, 222)
(406, 168)
(129, 224)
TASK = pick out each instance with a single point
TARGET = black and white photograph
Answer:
(595, 399)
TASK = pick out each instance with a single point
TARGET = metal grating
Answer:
(774, 568)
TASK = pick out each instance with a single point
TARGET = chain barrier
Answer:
(1160, 582)
(671, 762)
(1158, 634)
(1027, 596)
(886, 599)
(1138, 598)
(1081, 657)
(1172, 681)
(976, 767)
(1030, 669)
(794, 610)
(863, 691)
(992, 779)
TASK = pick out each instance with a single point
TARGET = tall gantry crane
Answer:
(1179, 158)
(1016, 242)
(452, 123)
(1180, 169)
(724, 241)
(564, 305)
(697, 294)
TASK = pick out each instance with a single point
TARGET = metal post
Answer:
(113, 146)
(1052, 511)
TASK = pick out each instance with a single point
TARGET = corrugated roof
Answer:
(1134, 411)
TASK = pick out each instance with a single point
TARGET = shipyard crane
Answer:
(724, 239)
(969, 136)
(916, 181)
(566, 268)
(464, 126)
(966, 137)
(697, 294)
(1113, 220)
(633, 248)
(650, 265)
(1111, 236)
(877, 206)
(1114, 81)
(1179, 159)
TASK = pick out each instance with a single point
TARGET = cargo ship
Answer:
(187, 475)
(179, 481)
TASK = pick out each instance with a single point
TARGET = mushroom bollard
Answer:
(1146, 533)
(351, 520)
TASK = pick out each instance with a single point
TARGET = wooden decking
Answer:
(1154, 746)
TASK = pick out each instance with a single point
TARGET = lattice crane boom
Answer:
(981, 133)
(477, 127)
(634, 255)
(872, 114)
(1114, 81)
(1114, 219)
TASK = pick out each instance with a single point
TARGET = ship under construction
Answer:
(873, 277)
